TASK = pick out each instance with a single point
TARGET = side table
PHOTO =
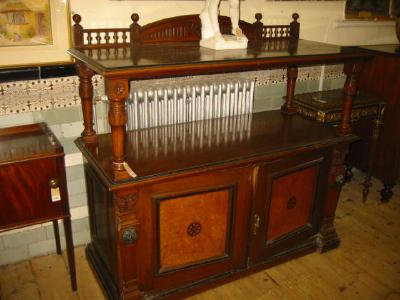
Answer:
(366, 119)
(33, 184)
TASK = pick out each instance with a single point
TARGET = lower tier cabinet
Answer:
(178, 234)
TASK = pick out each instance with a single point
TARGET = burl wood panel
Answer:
(26, 196)
(194, 228)
(291, 202)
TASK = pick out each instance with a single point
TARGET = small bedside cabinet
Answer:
(33, 185)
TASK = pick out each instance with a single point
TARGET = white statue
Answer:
(211, 36)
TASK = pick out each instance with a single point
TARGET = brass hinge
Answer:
(256, 223)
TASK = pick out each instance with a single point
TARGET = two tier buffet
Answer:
(217, 198)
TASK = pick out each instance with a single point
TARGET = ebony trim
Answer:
(36, 73)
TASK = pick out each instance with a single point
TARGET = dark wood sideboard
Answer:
(381, 77)
(184, 207)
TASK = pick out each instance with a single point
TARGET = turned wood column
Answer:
(117, 91)
(86, 94)
(352, 71)
(288, 107)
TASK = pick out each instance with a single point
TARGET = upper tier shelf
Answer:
(174, 59)
(170, 47)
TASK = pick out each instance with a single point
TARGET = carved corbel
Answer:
(327, 237)
(126, 217)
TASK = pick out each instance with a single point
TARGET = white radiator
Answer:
(165, 141)
(155, 102)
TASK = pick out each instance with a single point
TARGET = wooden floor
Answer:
(365, 266)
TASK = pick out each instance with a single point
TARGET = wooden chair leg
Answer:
(70, 251)
(57, 236)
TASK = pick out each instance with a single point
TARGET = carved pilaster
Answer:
(327, 238)
(128, 232)
(352, 71)
(86, 93)
(288, 107)
(118, 91)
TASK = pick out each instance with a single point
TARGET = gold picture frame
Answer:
(52, 52)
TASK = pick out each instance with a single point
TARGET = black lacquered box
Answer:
(326, 106)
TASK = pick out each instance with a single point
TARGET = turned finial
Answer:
(295, 27)
(77, 30)
(135, 18)
(258, 29)
(77, 18)
(135, 29)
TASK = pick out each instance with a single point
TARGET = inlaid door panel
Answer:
(289, 197)
(292, 197)
(200, 230)
(199, 227)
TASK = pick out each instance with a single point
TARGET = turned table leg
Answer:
(288, 107)
(70, 251)
(374, 141)
(57, 236)
(118, 91)
(352, 71)
(348, 172)
(86, 94)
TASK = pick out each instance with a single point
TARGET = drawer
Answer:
(26, 193)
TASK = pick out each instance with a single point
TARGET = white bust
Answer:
(211, 36)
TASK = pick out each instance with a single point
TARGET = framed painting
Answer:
(34, 32)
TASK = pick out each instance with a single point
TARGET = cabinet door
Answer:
(289, 194)
(195, 227)
(26, 194)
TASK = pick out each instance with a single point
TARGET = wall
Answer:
(320, 20)
(55, 101)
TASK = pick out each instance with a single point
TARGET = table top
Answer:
(392, 49)
(188, 58)
(27, 142)
(160, 151)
